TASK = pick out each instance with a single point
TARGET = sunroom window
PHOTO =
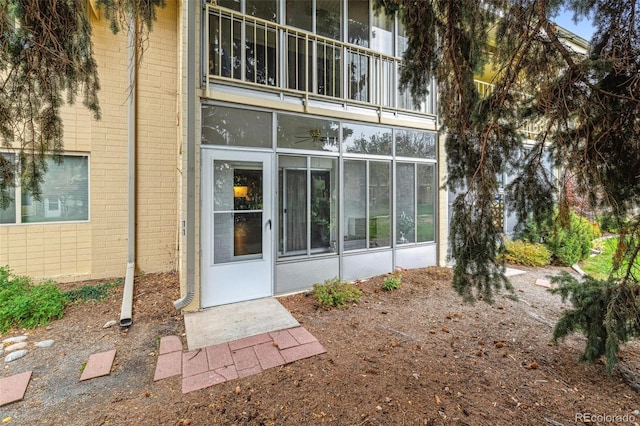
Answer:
(307, 205)
(367, 204)
(415, 202)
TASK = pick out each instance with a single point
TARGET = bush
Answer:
(334, 293)
(525, 253)
(23, 304)
(392, 282)
(571, 242)
(609, 223)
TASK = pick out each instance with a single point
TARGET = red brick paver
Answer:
(168, 365)
(219, 356)
(283, 339)
(249, 341)
(13, 388)
(303, 351)
(268, 355)
(98, 365)
(245, 358)
(194, 362)
(170, 344)
(241, 358)
(302, 335)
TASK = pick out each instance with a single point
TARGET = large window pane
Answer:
(225, 47)
(65, 193)
(230, 4)
(426, 202)
(237, 207)
(366, 139)
(405, 203)
(265, 9)
(299, 62)
(329, 69)
(307, 133)
(416, 144)
(235, 127)
(7, 167)
(307, 218)
(379, 204)
(358, 69)
(355, 205)
(329, 18)
(359, 22)
(382, 33)
(260, 55)
(300, 14)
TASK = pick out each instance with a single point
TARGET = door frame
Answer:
(212, 275)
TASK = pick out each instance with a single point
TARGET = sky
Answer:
(584, 29)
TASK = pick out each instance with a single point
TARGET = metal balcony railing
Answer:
(254, 51)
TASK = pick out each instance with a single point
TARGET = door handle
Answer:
(269, 223)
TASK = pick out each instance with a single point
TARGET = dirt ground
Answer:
(417, 355)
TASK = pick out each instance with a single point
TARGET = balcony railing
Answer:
(258, 52)
(528, 128)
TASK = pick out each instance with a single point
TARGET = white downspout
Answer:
(127, 294)
(190, 231)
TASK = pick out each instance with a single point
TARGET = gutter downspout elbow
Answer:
(190, 234)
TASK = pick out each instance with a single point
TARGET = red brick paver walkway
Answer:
(215, 364)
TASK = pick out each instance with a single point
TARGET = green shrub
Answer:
(24, 304)
(525, 253)
(333, 293)
(571, 242)
(609, 223)
(392, 282)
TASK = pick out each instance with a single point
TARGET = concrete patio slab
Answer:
(14, 387)
(231, 322)
(98, 365)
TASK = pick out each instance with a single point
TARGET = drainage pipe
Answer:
(127, 294)
(190, 231)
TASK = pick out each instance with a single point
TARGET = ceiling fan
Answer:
(315, 137)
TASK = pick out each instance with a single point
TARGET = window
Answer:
(415, 201)
(65, 195)
(358, 11)
(367, 139)
(235, 127)
(367, 204)
(416, 144)
(307, 133)
(307, 205)
(382, 33)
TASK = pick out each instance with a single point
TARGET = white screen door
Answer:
(236, 227)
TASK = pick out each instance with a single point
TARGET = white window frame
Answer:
(18, 194)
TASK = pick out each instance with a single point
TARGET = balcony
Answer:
(246, 51)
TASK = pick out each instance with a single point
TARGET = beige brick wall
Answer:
(98, 248)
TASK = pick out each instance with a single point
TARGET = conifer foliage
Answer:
(585, 106)
(47, 60)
